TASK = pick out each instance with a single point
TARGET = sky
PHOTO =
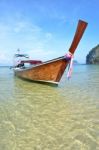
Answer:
(44, 29)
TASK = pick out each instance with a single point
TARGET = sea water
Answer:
(41, 117)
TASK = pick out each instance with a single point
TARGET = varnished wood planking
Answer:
(49, 72)
(78, 35)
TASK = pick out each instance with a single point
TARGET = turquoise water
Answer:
(41, 117)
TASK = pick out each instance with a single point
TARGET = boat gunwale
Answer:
(44, 63)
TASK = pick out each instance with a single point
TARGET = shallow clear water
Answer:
(41, 117)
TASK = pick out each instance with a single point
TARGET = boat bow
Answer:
(51, 71)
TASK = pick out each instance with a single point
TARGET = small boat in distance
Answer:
(49, 71)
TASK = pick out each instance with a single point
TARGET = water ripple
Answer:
(40, 117)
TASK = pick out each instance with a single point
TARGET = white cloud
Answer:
(24, 26)
(26, 36)
(2, 57)
(41, 54)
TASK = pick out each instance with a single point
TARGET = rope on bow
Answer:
(69, 57)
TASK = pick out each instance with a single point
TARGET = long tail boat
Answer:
(49, 71)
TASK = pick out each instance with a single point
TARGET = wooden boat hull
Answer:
(50, 71)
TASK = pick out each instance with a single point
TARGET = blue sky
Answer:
(44, 29)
